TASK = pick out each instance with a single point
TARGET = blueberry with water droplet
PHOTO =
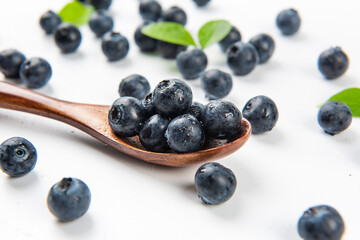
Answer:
(152, 135)
(197, 110)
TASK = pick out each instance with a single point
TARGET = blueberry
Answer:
(232, 37)
(101, 4)
(150, 10)
(69, 199)
(333, 62)
(215, 183)
(264, 45)
(17, 156)
(115, 46)
(262, 113)
(10, 62)
(288, 21)
(334, 117)
(242, 58)
(192, 63)
(49, 21)
(101, 22)
(134, 86)
(174, 14)
(216, 84)
(169, 50)
(145, 43)
(67, 38)
(185, 134)
(35, 72)
(321, 223)
(148, 105)
(222, 119)
(126, 116)
(172, 97)
(201, 3)
(197, 110)
(152, 135)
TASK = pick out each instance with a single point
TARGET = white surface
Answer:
(280, 174)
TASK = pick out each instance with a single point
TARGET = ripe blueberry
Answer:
(101, 4)
(216, 84)
(264, 45)
(115, 46)
(334, 117)
(174, 14)
(10, 62)
(134, 86)
(101, 22)
(333, 62)
(69, 199)
(152, 135)
(262, 113)
(49, 21)
(150, 10)
(232, 37)
(67, 38)
(242, 58)
(191, 64)
(35, 72)
(288, 21)
(197, 110)
(17, 156)
(214, 183)
(145, 43)
(148, 105)
(169, 50)
(201, 3)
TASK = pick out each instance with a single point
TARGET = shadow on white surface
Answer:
(24, 181)
(80, 226)
(76, 56)
(273, 137)
(122, 63)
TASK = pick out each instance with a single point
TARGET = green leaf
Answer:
(213, 31)
(350, 97)
(76, 13)
(169, 32)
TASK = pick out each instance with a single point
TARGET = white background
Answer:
(280, 174)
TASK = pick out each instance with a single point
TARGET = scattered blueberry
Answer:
(333, 62)
(222, 119)
(334, 117)
(115, 46)
(288, 21)
(35, 72)
(174, 14)
(69, 199)
(67, 38)
(201, 3)
(17, 156)
(101, 22)
(242, 58)
(169, 50)
(185, 134)
(134, 86)
(145, 43)
(49, 21)
(101, 4)
(152, 135)
(233, 37)
(216, 84)
(126, 116)
(192, 63)
(262, 113)
(10, 62)
(148, 105)
(150, 10)
(172, 97)
(321, 223)
(215, 183)
(264, 45)
(197, 110)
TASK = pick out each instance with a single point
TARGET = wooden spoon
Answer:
(93, 119)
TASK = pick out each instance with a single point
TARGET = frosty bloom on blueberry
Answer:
(242, 58)
(333, 63)
(35, 72)
(115, 46)
(101, 22)
(334, 117)
(67, 38)
(232, 37)
(10, 62)
(49, 21)
(216, 84)
(264, 45)
(192, 63)
(174, 14)
(135, 86)
(288, 21)
(150, 10)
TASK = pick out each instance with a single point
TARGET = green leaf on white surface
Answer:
(76, 13)
(350, 97)
(212, 32)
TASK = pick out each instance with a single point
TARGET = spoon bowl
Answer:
(93, 119)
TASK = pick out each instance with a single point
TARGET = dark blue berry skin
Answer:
(172, 97)
(101, 22)
(214, 183)
(10, 62)
(262, 113)
(222, 119)
(115, 46)
(288, 21)
(174, 14)
(333, 63)
(148, 105)
(216, 84)
(134, 86)
(264, 45)
(201, 3)
(233, 37)
(185, 134)
(67, 38)
(334, 117)
(17, 156)
(69, 199)
(150, 10)
(152, 135)
(197, 110)
(145, 43)
(321, 223)
(35, 72)
(101, 4)
(242, 58)
(49, 21)
(126, 116)
(191, 64)
(169, 50)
